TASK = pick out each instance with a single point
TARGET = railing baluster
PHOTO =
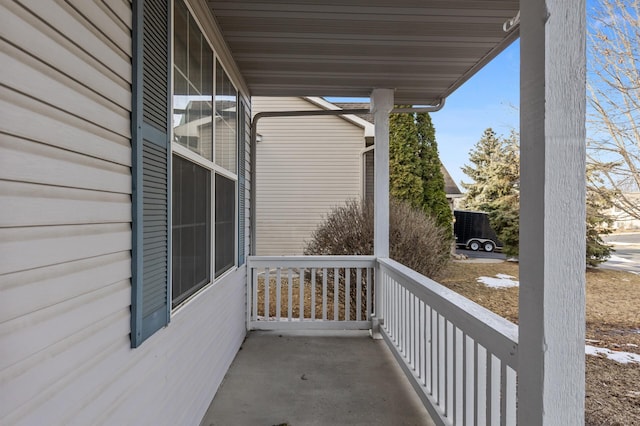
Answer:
(347, 293)
(434, 355)
(447, 365)
(458, 347)
(249, 297)
(301, 293)
(369, 287)
(510, 396)
(451, 377)
(421, 339)
(324, 294)
(290, 295)
(393, 305)
(255, 295)
(386, 286)
(266, 294)
(336, 292)
(278, 293)
(442, 358)
(359, 294)
(467, 385)
(489, 394)
(313, 293)
(412, 330)
(406, 327)
(429, 361)
(476, 385)
(495, 389)
(396, 316)
(401, 311)
(503, 394)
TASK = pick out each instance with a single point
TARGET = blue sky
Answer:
(489, 99)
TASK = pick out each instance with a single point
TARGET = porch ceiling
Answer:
(424, 49)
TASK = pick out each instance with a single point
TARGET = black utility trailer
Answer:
(473, 231)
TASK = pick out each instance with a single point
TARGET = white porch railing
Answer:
(309, 292)
(460, 357)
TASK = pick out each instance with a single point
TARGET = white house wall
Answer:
(65, 237)
(305, 167)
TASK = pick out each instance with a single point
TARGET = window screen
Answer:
(191, 226)
(225, 224)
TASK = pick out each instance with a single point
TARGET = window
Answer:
(192, 85)
(204, 161)
(184, 149)
(226, 122)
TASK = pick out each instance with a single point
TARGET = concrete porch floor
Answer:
(315, 378)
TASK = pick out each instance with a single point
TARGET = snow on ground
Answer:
(618, 356)
(615, 258)
(500, 281)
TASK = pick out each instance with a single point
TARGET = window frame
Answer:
(189, 155)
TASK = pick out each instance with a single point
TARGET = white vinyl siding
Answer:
(305, 167)
(65, 237)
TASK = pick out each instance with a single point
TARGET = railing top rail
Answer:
(480, 322)
(311, 261)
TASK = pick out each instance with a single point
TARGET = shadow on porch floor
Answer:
(315, 378)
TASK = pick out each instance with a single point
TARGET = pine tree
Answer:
(415, 168)
(487, 158)
(434, 198)
(598, 222)
(495, 170)
(404, 181)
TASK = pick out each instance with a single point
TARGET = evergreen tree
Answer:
(598, 222)
(415, 168)
(495, 170)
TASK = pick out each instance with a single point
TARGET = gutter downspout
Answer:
(332, 112)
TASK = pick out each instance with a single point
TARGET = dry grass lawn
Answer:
(613, 321)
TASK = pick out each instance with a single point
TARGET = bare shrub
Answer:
(415, 240)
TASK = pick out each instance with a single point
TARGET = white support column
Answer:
(381, 106)
(552, 213)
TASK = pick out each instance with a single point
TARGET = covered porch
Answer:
(461, 360)
(316, 318)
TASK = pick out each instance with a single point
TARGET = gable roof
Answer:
(356, 119)
(450, 187)
(357, 105)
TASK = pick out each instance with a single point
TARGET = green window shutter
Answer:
(151, 170)
(244, 131)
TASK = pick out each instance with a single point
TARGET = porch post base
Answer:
(375, 328)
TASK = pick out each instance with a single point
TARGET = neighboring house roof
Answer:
(357, 119)
(450, 187)
(356, 105)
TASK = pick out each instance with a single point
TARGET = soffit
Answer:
(424, 49)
